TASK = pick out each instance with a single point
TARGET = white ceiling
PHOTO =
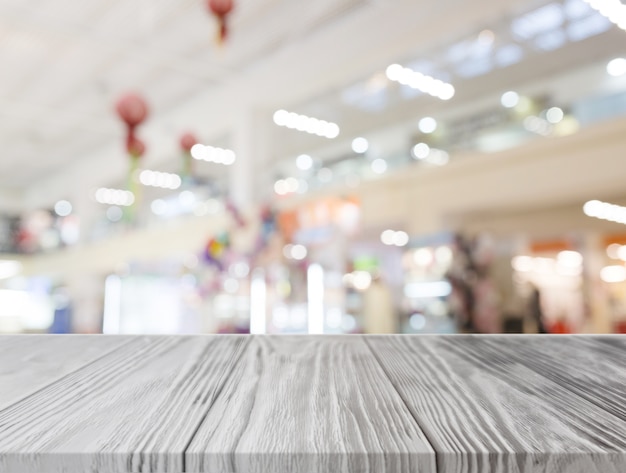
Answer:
(65, 62)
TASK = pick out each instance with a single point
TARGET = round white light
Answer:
(228, 157)
(443, 254)
(128, 198)
(186, 198)
(231, 285)
(210, 154)
(613, 250)
(146, 177)
(509, 99)
(427, 125)
(198, 151)
(554, 115)
(593, 208)
(63, 208)
(420, 150)
(446, 92)
(523, 264)
(291, 184)
(302, 122)
(423, 256)
(361, 280)
(9, 268)
(616, 67)
(114, 214)
(394, 72)
(387, 237)
(613, 274)
(304, 162)
(360, 145)
(570, 259)
(298, 252)
(158, 207)
(240, 269)
(417, 321)
(281, 117)
(438, 157)
(621, 253)
(332, 131)
(175, 181)
(400, 238)
(379, 166)
(280, 187)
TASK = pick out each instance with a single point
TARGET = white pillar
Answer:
(250, 142)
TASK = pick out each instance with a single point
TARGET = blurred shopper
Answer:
(379, 310)
(536, 310)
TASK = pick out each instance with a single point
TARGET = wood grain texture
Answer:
(578, 364)
(486, 412)
(305, 405)
(135, 409)
(29, 363)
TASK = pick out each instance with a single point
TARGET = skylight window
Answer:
(509, 55)
(576, 9)
(587, 27)
(551, 40)
(546, 18)
(474, 68)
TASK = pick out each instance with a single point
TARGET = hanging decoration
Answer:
(220, 9)
(219, 252)
(187, 140)
(133, 111)
(216, 249)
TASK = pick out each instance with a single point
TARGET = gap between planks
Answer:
(425, 431)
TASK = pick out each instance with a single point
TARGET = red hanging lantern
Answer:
(135, 147)
(187, 141)
(221, 9)
(132, 109)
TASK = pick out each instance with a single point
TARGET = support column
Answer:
(250, 142)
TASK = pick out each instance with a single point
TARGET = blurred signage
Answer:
(619, 239)
(321, 218)
(551, 246)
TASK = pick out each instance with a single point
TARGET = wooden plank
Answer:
(31, 362)
(485, 413)
(583, 365)
(135, 409)
(307, 405)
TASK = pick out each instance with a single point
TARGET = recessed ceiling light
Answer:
(509, 99)
(616, 67)
(427, 125)
(360, 145)
(304, 162)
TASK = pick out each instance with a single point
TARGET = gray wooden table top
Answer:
(312, 404)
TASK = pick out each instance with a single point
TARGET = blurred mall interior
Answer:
(337, 166)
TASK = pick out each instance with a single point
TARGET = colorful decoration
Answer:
(221, 9)
(187, 140)
(216, 249)
(133, 111)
